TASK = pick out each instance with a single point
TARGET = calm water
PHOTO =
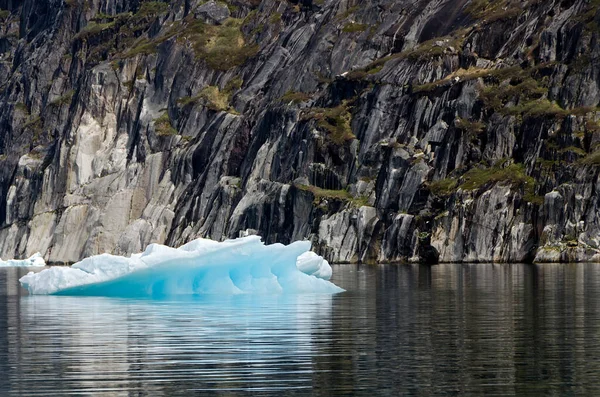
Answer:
(399, 330)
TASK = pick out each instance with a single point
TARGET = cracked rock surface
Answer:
(383, 131)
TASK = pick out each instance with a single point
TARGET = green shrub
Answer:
(354, 27)
(364, 72)
(493, 10)
(513, 174)
(478, 177)
(213, 97)
(336, 121)
(573, 149)
(275, 17)
(533, 198)
(144, 47)
(526, 90)
(234, 84)
(163, 125)
(223, 47)
(470, 127)
(93, 28)
(340, 195)
(443, 187)
(588, 16)
(295, 97)
(591, 159)
(320, 193)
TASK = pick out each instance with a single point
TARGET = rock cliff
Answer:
(384, 131)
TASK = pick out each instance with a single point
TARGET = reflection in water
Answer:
(447, 329)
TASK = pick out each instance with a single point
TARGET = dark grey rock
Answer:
(306, 138)
(212, 12)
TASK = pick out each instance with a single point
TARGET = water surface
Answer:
(399, 330)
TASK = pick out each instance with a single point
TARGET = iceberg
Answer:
(240, 266)
(35, 260)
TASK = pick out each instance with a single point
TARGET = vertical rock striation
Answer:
(384, 131)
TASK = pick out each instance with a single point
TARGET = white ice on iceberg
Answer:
(35, 260)
(314, 265)
(243, 265)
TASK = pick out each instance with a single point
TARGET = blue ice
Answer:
(239, 266)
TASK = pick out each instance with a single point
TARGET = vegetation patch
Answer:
(213, 98)
(94, 28)
(462, 75)
(470, 127)
(143, 47)
(320, 193)
(490, 11)
(275, 17)
(122, 35)
(588, 16)
(35, 123)
(425, 51)
(530, 197)
(443, 187)
(340, 195)
(479, 177)
(336, 121)
(223, 47)
(364, 72)
(163, 125)
(513, 174)
(591, 159)
(295, 97)
(354, 27)
(516, 91)
(573, 150)
(524, 96)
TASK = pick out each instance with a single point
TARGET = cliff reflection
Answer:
(447, 329)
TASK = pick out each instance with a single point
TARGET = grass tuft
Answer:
(163, 125)
(295, 97)
(223, 47)
(336, 121)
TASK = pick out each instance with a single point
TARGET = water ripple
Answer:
(399, 330)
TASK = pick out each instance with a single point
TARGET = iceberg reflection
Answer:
(243, 343)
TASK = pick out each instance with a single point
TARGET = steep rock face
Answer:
(383, 131)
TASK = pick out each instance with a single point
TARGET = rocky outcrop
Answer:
(384, 131)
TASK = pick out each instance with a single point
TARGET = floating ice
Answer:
(35, 260)
(244, 265)
(314, 265)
